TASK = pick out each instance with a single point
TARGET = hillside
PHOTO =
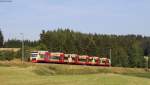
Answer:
(69, 69)
(15, 73)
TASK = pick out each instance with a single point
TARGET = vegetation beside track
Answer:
(16, 73)
(54, 69)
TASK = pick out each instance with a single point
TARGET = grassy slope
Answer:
(37, 74)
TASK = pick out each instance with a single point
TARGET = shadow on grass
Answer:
(143, 75)
(4, 65)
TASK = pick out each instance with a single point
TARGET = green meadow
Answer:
(57, 74)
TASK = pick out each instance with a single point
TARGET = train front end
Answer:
(38, 56)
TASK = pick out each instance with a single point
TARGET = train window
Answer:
(34, 55)
(33, 58)
(90, 60)
(73, 58)
(65, 58)
(82, 60)
(55, 57)
(42, 56)
(103, 61)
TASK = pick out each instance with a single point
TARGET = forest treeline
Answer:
(127, 50)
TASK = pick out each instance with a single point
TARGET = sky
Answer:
(30, 17)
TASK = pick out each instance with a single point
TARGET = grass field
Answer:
(45, 74)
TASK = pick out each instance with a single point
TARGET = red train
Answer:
(58, 57)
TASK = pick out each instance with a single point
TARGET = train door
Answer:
(70, 58)
(104, 62)
(93, 60)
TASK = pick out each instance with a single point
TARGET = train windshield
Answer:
(34, 54)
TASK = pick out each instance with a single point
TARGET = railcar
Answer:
(82, 59)
(59, 57)
(38, 56)
(105, 62)
(55, 57)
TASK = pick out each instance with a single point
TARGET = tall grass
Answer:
(61, 69)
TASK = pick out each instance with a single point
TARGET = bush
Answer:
(10, 55)
(7, 55)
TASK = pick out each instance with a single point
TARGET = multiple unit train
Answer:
(61, 58)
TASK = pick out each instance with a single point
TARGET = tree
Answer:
(120, 57)
(128, 50)
(136, 55)
(1, 39)
(41, 47)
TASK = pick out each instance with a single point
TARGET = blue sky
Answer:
(94, 16)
